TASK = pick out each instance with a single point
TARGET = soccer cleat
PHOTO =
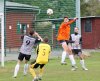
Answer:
(39, 77)
(14, 76)
(63, 63)
(35, 79)
(74, 68)
(84, 68)
(25, 74)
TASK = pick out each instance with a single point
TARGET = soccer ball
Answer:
(49, 11)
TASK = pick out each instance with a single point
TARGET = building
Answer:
(90, 30)
(90, 27)
(18, 21)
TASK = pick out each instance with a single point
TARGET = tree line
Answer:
(63, 7)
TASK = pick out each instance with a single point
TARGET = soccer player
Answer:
(63, 37)
(43, 51)
(25, 50)
(76, 46)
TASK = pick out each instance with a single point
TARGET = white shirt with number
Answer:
(76, 44)
(27, 45)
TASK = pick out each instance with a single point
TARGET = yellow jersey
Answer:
(43, 51)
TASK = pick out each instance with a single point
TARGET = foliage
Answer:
(64, 7)
(61, 7)
(90, 7)
(45, 29)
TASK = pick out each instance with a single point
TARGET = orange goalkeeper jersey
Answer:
(64, 30)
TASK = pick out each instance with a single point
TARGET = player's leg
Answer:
(20, 58)
(63, 57)
(41, 71)
(74, 53)
(63, 54)
(71, 57)
(27, 58)
(32, 69)
(73, 62)
(82, 62)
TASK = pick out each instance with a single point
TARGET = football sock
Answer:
(71, 57)
(16, 70)
(63, 56)
(41, 72)
(32, 71)
(25, 69)
(82, 63)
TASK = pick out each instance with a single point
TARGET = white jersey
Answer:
(27, 45)
(76, 38)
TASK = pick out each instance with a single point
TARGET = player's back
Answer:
(27, 45)
(43, 51)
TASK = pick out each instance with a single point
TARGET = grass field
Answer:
(54, 71)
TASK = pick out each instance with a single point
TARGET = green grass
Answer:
(54, 71)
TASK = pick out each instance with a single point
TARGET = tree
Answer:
(94, 7)
(84, 5)
(61, 7)
(64, 7)
(90, 8)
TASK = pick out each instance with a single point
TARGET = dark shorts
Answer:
(37, 65)
(77, 51)
(61, 41)
(22, 56)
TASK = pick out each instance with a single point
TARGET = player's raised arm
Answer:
(71, 21)
(38, 36)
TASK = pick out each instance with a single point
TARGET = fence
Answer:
(22, 16)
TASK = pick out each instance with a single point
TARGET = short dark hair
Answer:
(46, 40)
(31, 32)
(65, 17)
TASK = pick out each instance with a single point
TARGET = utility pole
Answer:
(78, 22)
(2, 5)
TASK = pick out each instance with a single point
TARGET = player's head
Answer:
(46, 40)
(76, 29)
(66, 19)
(31, 32)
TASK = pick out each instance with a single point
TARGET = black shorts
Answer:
(22, 56)
(77, 51)
(37, 65)
(61, 41)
